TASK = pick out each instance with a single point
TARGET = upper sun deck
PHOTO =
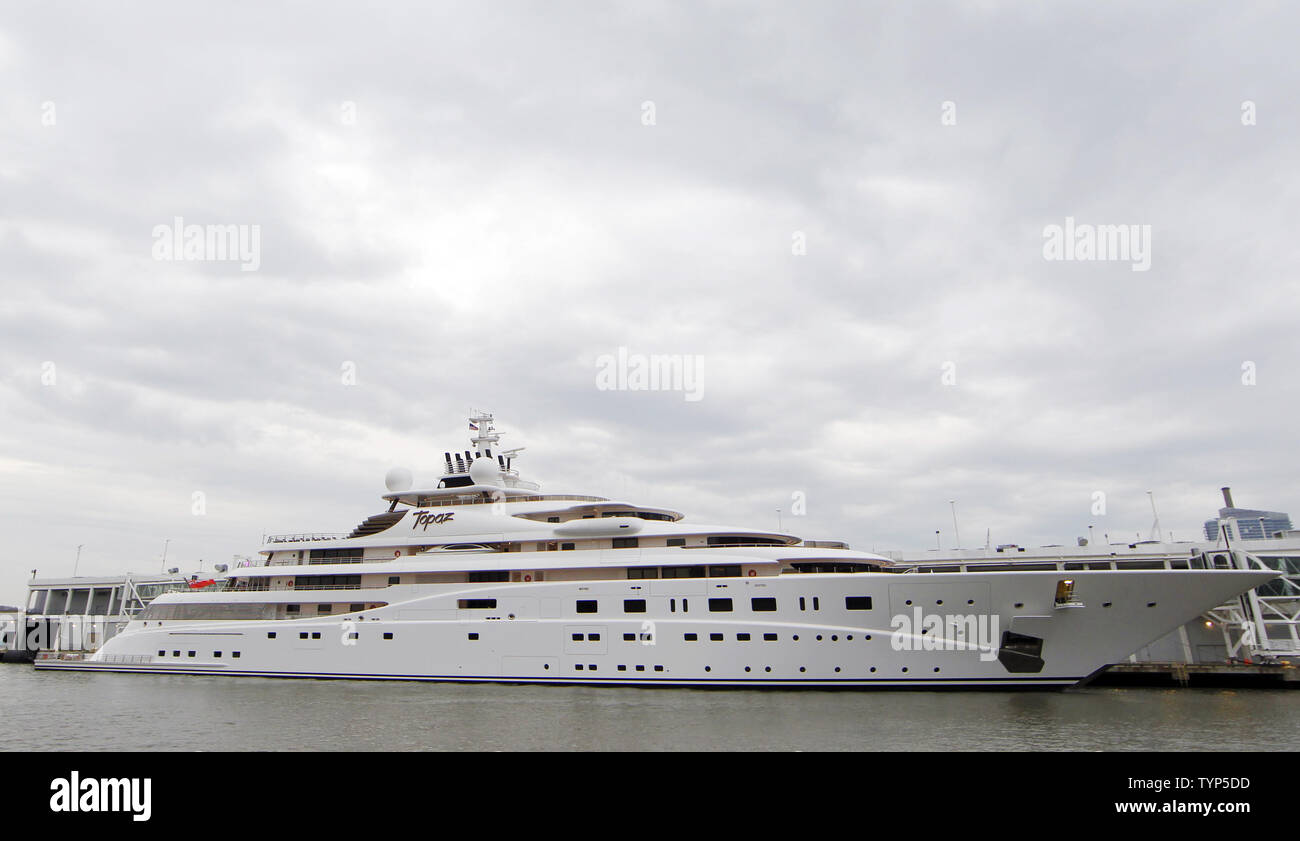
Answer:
(481, 502)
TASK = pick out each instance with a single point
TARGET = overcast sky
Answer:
(839, 208)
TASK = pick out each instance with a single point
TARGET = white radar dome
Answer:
(484, 471)
(399, 479)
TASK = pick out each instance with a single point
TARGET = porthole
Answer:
(1020, 604)
(1105, 604)
(873, 668)
(767, 668)
(1151, 604)
(708, 668)
(909, 602)
(970, 601)
(837, 668)
(936, 668)
(940, 601)
(819, 637)
(802, 669)
(795, 637)
(905, 668)
(747, 668)
(835, 638)
(867, 637)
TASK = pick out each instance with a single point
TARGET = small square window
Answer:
(216, 654)
(586, 606)
(394, 579)
(577, 637)
(857, 602)
(577, 666)
(270, 635)
(640, 668)
(302, 635)
(234, 654)
(594, 637)
(765, 603)
(388, 635)
(716, 637)
(176, 654)
(634, 605)
(315, 635)
(659, 668)
(322, 609)
(622, 668)
(691, 637)
(630, 637)
(162, 653)
(720, 605)
(769, 637)
(743, 637)
(473, 636)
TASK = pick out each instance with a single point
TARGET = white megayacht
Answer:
(482, 577)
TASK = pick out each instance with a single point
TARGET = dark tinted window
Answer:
(683, 572)
(586, 606)
(765, 603)
(720, 605)
(857, 602)
(634, 605)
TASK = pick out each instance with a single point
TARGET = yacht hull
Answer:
(997, 630)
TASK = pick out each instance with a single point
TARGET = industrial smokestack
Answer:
(1227, 497)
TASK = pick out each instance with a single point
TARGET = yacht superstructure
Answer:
(481, 576)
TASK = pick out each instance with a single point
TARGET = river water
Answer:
(123, 712)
